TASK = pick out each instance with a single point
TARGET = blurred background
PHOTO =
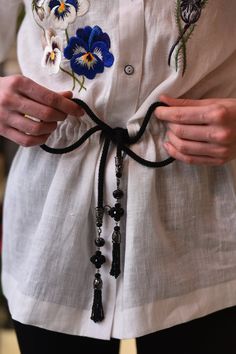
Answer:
(8, 342)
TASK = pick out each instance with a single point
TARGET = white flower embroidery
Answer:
(63, 12)
(52, 53)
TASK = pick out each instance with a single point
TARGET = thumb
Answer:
(185, 102)
(67, 94)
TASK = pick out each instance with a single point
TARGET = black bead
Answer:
(119, 209)
(117, 228)
(112, 212)
(116, 212)
(99, 224)
(116, 237)
(118, 174)
(98, 259)
(118, 194)
(97, 284)
(99, 242)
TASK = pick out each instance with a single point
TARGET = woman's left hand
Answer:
(201, 132)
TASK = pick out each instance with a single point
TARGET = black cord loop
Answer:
(119, 137)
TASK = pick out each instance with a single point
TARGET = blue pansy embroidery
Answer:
(88, 52)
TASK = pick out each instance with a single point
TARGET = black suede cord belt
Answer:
(120, 137)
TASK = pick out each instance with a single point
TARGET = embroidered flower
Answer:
(88, 52)
(38, 7)
(188, 13)
(52, 53)
(63, 12)
(191, 10)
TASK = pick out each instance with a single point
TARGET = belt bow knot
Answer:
(119, 137)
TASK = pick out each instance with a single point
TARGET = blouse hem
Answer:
(121, 324)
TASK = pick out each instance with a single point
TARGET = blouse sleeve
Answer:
(8, 19)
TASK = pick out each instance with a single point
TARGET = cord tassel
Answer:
(98, 260)
(97, 308)
(116, 239)
(119, 137)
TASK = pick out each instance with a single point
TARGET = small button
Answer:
(129, 69)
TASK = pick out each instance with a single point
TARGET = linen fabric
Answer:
(178, 233)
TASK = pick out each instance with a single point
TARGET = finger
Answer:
(191, 115)
(191, 132)
(191, 159)
(185, 102)
(24, 139)
(41, 94)
(29, 107)
(204, 133)
(187, 147)
(26, 125)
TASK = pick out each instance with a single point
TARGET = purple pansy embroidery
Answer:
(88, 52)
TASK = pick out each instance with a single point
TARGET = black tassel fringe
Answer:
(97, 314)
(115, 267)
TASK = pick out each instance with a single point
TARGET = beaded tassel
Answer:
(116, 213)
(97, 308)
(98, 259)
(116, 238)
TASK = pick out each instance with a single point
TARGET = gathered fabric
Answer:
(120, 137)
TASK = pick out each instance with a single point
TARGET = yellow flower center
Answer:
(62, 7)
(52, 56)
(88, 57)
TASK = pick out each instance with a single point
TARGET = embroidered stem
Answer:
(180, 38)
(82, 84)
(77, 80)
(73, 87)
(182, 48)
(183, 44)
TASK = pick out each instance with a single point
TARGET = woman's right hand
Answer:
(20, 96)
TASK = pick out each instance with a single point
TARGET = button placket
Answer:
(129, 66)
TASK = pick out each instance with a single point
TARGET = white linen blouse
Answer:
(178, 246)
